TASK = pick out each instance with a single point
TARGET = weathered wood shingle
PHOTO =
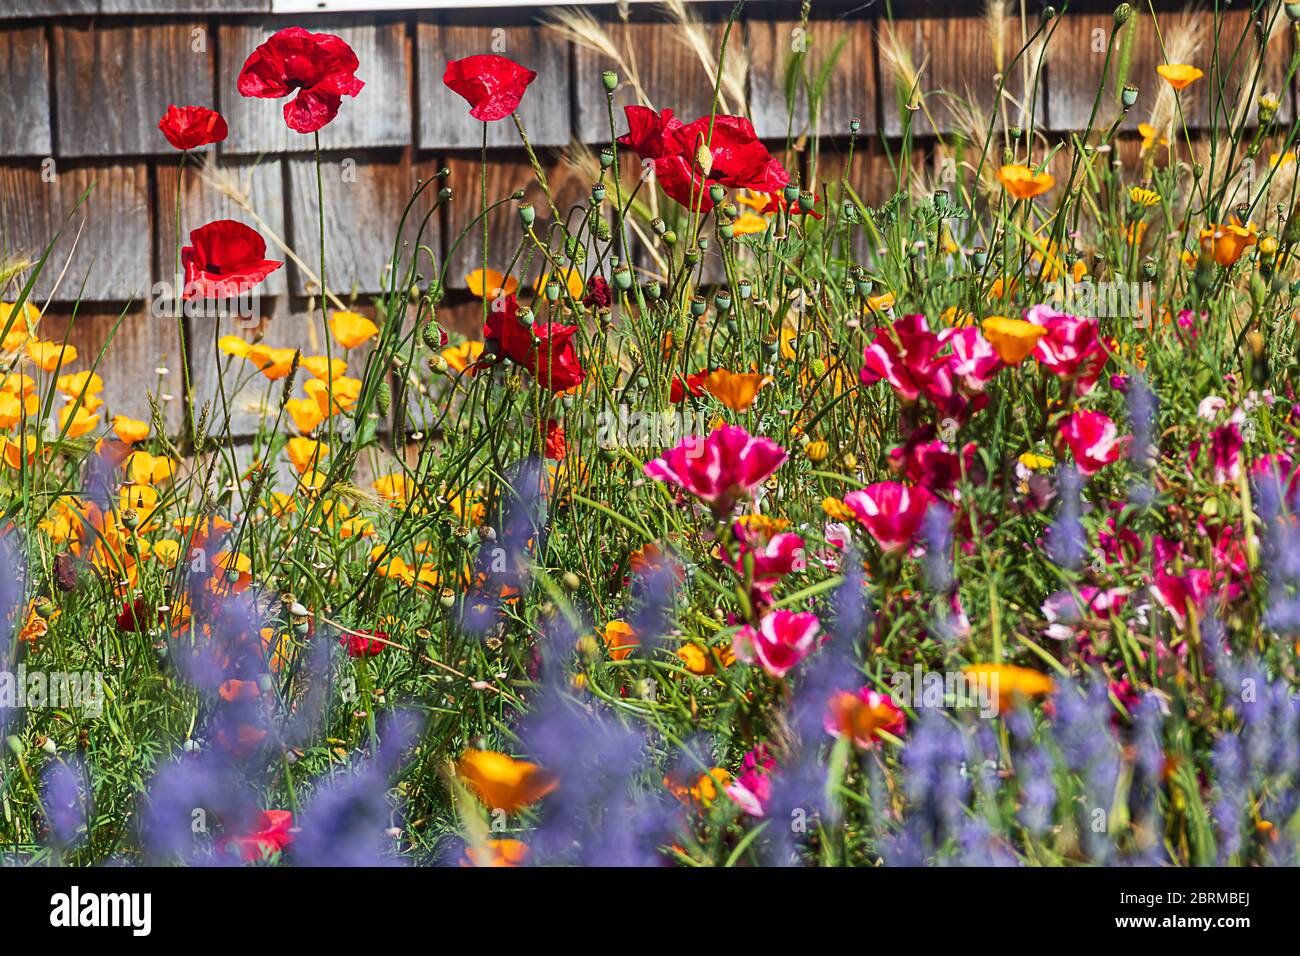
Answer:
(445, 122)
(114, 80)
(110, 231)
(24, 93)
(380, 115)
(142, 357)
(364, 199)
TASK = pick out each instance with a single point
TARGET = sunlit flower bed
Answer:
(879, 549)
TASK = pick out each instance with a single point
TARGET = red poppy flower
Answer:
(598, 294)
(514, 339)
(555, 446)
(272, 835)
(320, 66)
(493, 85)
(134, 617)
(737, 160)
(189, 127)
(361, 644)
(693, 385)
(225, 258)
(555, 362)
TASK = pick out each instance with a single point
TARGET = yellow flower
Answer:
(1035, 462)
(74, 383)
(1023, 183)
(1011, 683)
(1012, 339)
(1141, 196)
(49, 356)
(699, 661)
(495, 286)
(1227, 241)
(167, 551)
(881, 303)
(1281, 160)
(271, 362)
(837, 509)
(145, 469)
(749, 224)
(305, 453)
(345, 392)
(350, 329)
(318, 366)
(1179, 75)
(234, 345)
(13, 409)
(130, 430)
(395, 487)
(701, 789)
(306, 414)
(620, 639)
(461, 357)
(77, 420)
(504, 783)
(1149, 134)
(736, 391)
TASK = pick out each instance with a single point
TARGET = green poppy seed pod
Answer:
(1149, 269)
(790, 192)
(1122, 14)
(438, 364)
(598, 193)
(130, 519)
(865, 287)
(726, 230)
(300, 628)
(431, 334)
(722, 302)
(443, 172)
(770, 346)
(732, 327)
(699, 306)
(850, 212)
(447, 598)
(716, 192)
(606, 157)
(704, 243)
(1016, 132)
(744, 288)
(1128, 96)
(623, 277)
(1008, 156)
(848, 287)
(855, 124)
(48, 744)
(610, 80)
(552, 290)
(651, 289)
(730, 210)
(669, 238)
(979, 257)
(15, 744)
(527, 215)
(44, 607)
(658, 226)
(691, 257)
(383, 397)
(525, 316)
(806, 201)
(444, 194)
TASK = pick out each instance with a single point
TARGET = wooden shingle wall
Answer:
(83, 84)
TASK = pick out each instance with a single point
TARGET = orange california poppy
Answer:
(1179, 75)
(1012, 339)
(1023, 183)
(735, 390)
(350, 329)
(504, 783)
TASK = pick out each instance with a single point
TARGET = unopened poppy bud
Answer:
(571, 581)
(1128, 96)
(431, 335)
(817, 367)
(1049, 13)
(610, 80)
(438, 364)
(15, 744)
(383, 397)
(527, 215)
(1122, 14)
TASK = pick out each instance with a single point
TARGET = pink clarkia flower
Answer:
(838, 537)
(974, 361)
(773, 557)
(859, 715)
(1225, 453)
(1094, 439)
(752, 788)
(891, 512)
(905, 356)
(1177, 592)
(719, 469)
(1071, 349)
(782, 640)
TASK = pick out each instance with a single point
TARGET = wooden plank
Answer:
(380, 115)
(364, 200)
(955, 59)
(871, 177)
(669, 75)
(508, 171)
(112, 251)
(850, 92)
(24, 93)
(218, 191)
(24, 9)
(445, 122)
(1077, 55)
(114, 82)
(142, 357)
